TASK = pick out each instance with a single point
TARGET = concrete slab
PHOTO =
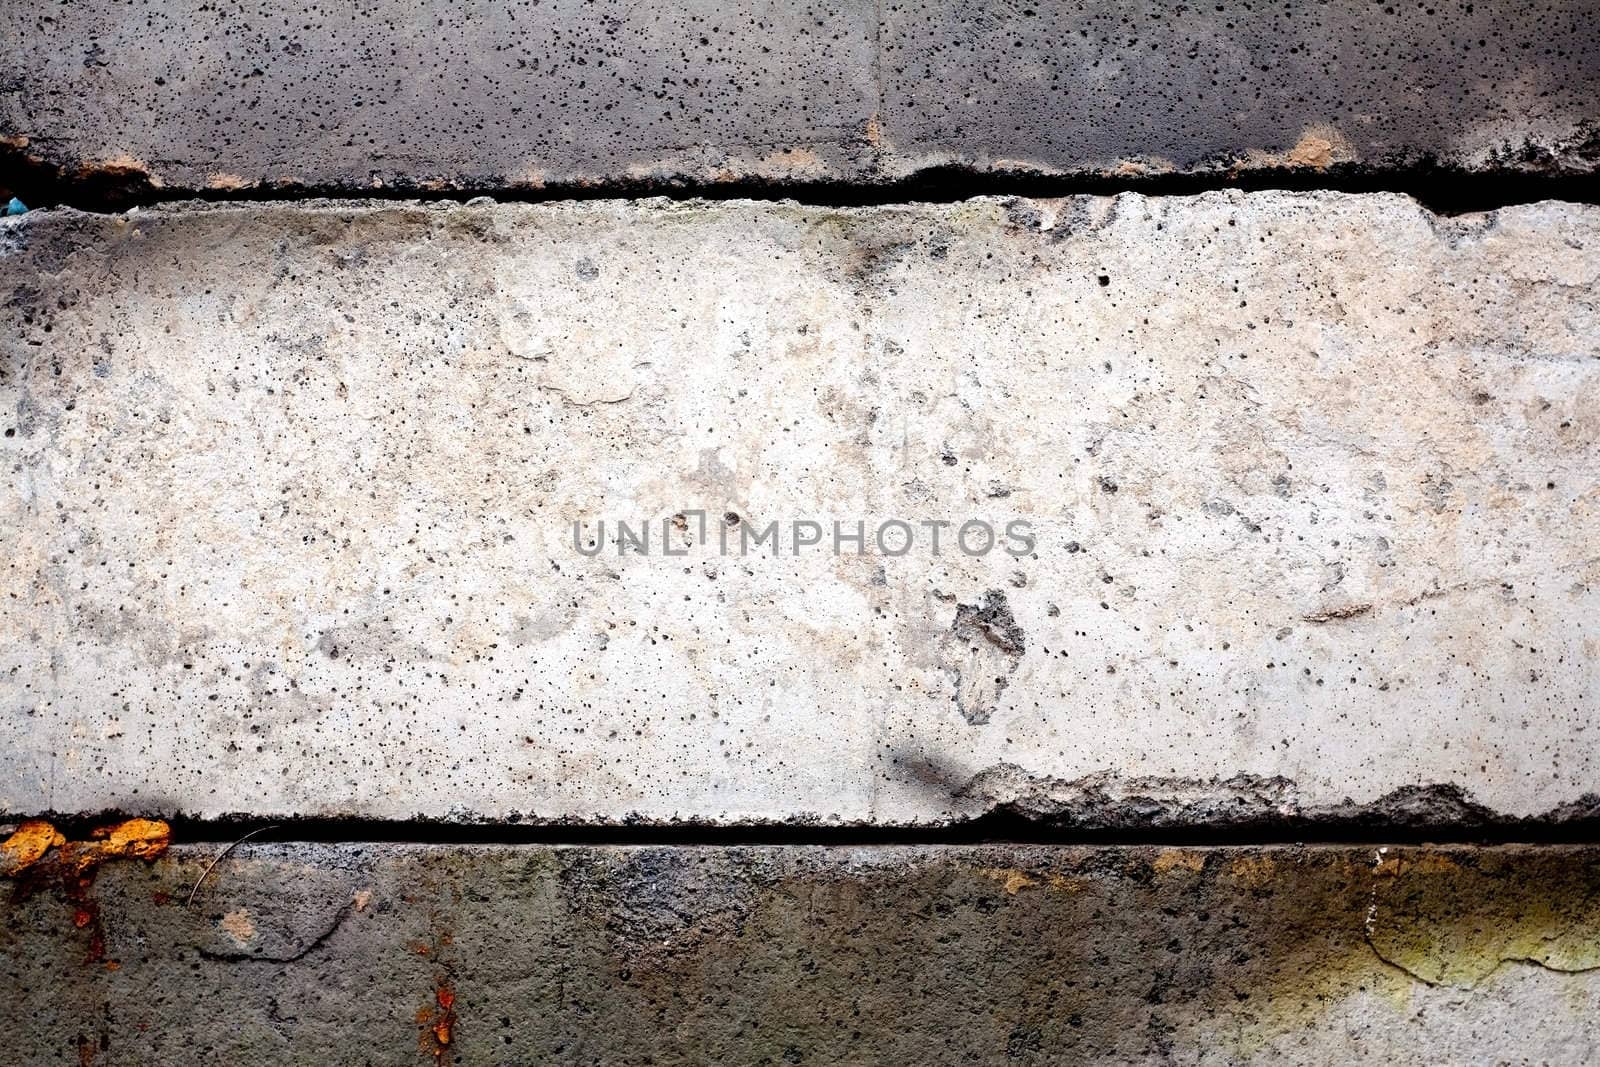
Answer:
(398, 954)
(207, 96)
(122, 98)
(1152, 86)
(1310, 486)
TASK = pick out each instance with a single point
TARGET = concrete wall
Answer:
(443, 93)
(1293, 496)
(1310, 479)
(404, 954)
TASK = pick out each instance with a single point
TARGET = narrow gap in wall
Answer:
(992, 829)
(1443, 190)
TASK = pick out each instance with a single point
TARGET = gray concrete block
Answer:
(201, 95)
(1310, 479)
(439, 93)
(370, 954)
(1153, 86)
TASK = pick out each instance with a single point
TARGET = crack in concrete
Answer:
(1444, 190)
(1402, 968)
(1415, 929)
(300, 954)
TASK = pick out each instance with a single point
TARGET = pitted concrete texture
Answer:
(1312, 483)
(430, 93)
(1153, 85)
(381, 954)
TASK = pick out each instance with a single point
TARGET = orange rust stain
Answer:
(1434, 863)
(1422, 863)
(71, 869)
(1011, 880)
(1172, 859)
(28, 845)
(1066, 884)
(438, 1022)
(143, 839)
(447, 1014)
(132, 838)
(1253, 871)
(1014, 881)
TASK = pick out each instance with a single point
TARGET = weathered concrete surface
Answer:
(1153, 85)
(204, 95)
(368, 954)
(1314, 481)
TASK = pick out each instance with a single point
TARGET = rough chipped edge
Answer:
(1242, 809)
(1004, 206)
(1507, 173)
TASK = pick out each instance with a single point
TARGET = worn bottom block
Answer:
(501, 954)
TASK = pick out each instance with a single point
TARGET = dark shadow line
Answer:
(993, 829)
(1442, 189)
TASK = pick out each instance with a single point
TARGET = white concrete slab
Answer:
(1312, 482)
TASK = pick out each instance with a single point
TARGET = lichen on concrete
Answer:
(800, 954)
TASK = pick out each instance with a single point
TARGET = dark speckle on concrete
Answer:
(980, 653)
(432, 94)
(991, 620)
(1132, 87)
